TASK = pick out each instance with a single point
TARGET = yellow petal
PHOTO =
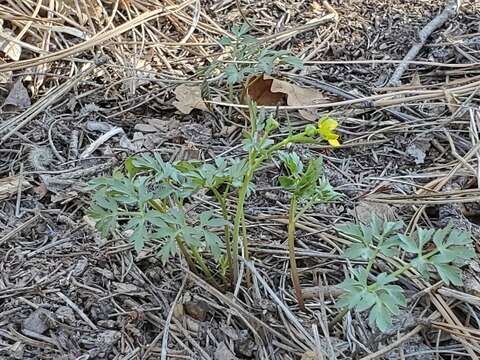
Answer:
(327, 125)
(334, 142)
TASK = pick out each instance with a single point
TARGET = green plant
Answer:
(441, 251)
(260, 147)
(151, 199)
(305, 185)
(150, 202)
(249, 57)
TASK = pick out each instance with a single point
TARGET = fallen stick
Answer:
(449, 11)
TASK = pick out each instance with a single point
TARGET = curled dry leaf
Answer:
(5, 76)
(259, 89)
(268, 91)
(8, 47)
(189, 98)
(17, 98)
(9, 186)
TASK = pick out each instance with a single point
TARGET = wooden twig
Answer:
(449, 11)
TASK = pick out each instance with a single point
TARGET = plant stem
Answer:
(253, 164)
(291, 252)
(245, 251)
(338, 318)
(185, 253)
(203, 266)
(223, 205)
(242, 193)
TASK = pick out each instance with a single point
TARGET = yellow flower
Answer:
(326, 127)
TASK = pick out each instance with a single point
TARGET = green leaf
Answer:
(350, 229)
(367, 300)
(449, 274)
(287, 183)
(213, 243)
(459, 237)
(392, 227)
(208, 219)
(168, 249)
(130, 167)
(308, 180)
(380, 316)
(217, 222)
(225, 41)
(384, 279)
(139, 232)
(358, 251)
(407, 244)
(105, 221)
(293, 60)
(376, 226)
(424, 236)
(440, 235)
(233, 75)
(104, 200)
(154, 217)
(192, 235)
(292, 162)
(421, 265)
(390, 247)
(166, 232)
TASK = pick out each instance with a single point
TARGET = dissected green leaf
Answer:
(358, 251)
(409, 245)
(380, 316)
(450, 274)
(169, 248)
(139, 232)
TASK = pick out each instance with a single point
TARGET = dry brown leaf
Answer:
(9, 48)
(9, 186)
(17, 98)
(299, 96)
(5, 76)
(259, 89)
(189, 98)
(309, 355)
(268, 91)
(317, 8)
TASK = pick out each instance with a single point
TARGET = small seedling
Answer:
(428, 251)
(309, 186)
(247, 56)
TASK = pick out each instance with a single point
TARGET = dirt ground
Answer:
(67, 293)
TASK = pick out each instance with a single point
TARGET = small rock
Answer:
(108, 338)
(418, 150)
(125, 288)
(178, 311)
(197, 309)
(108, 324)
(309, 355)
(38, 321)
(223, 353)
(65, 314)
(365, 210)
(16, 351)
(80, 267)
